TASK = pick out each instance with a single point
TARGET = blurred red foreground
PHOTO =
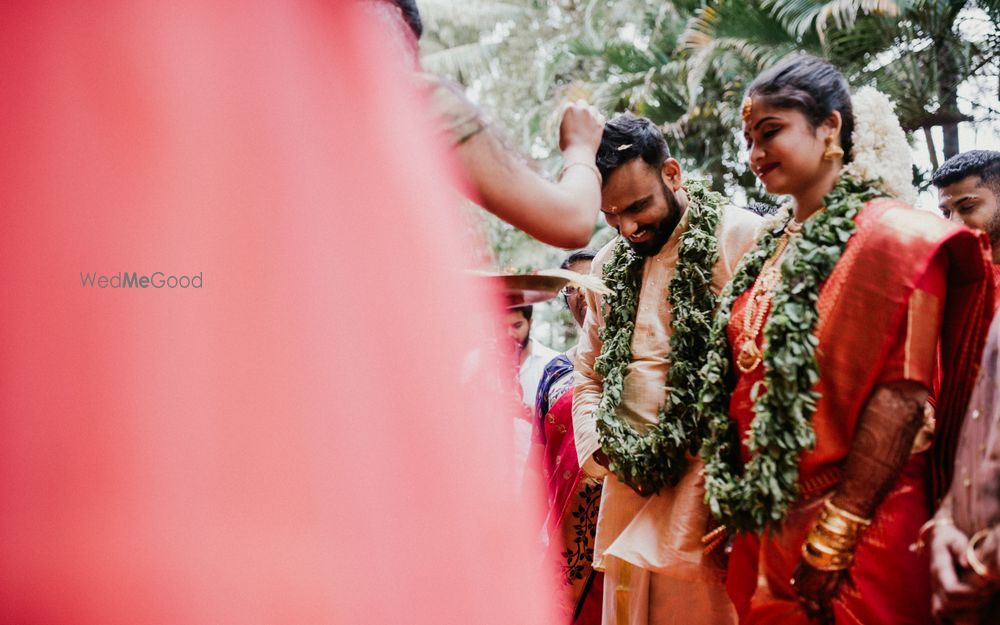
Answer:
(288, 443)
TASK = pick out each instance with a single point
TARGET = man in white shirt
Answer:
(532, 355)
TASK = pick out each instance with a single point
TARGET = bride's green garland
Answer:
(748, 498)
(658, 456)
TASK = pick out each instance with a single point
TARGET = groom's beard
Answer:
(661, 230)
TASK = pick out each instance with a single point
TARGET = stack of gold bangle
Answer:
(831, 542)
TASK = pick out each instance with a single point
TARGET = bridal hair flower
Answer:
(880, 150)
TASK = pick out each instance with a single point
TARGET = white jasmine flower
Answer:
(880, 150)
(772, 222)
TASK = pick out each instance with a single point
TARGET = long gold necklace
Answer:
(758, 304)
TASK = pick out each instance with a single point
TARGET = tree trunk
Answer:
(930, 148)
(948, 95)
(950, 140)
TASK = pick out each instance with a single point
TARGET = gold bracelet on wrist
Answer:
(823, 558)
(854, 519)
(831, 541)
(836, 527)
(836, 541)
(825, 555)
(590, 166)
(974, 562)
(841, 522)
(921, 542)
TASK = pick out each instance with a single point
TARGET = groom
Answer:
(629, 429)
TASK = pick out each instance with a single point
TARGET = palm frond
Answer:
(734, 22)
(802, 16)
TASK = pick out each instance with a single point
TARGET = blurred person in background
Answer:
(968, 187)
(573, 498)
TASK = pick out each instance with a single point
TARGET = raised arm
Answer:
(561, 213)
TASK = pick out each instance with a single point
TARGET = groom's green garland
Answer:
(658, 457)
(782, 426)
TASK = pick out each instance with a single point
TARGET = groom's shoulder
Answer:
(739, 228)
(604, 255)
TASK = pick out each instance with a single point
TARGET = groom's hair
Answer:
(627, 137)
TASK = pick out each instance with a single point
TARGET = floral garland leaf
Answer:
(748, 498)
(658, 456)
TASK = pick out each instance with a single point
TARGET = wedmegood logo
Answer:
(135, 280)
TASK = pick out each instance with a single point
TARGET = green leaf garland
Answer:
(658, 456)
(748, 498)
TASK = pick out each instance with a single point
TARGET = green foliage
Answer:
(659, 456)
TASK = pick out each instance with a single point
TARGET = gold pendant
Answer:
(749, 356)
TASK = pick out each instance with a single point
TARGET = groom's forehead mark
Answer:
(613, 209)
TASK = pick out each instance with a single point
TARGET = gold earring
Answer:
(833, 151)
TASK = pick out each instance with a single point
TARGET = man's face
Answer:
(518, 328)
(637, 202)
(574, 296)
(970, 202)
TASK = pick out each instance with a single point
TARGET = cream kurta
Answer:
(661, 533)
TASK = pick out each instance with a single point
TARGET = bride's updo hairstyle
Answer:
(810, 85)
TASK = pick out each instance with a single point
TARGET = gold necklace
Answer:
(758, 304)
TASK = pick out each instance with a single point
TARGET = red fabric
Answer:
(996, 286)
(876, 593)
(560, 458)
(888, 584)
(741, 572)
(862, 333)
(932, 400)
(572, 517)
(591, 610)
(273, 447)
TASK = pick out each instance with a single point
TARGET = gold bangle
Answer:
(838, 527)
(847, 516)
(832, 539)
(839, 542)
(977, 565)
(713, 535)
(921, 542)
(825, 555)
(590, 166)
(820, 558)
